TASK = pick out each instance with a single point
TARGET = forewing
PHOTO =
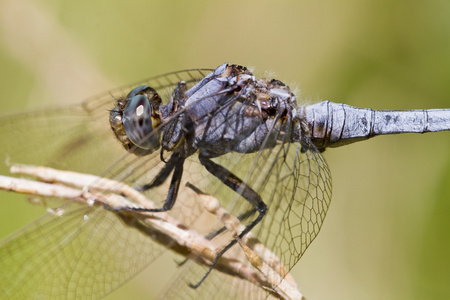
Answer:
(87, 252)
(77, 137)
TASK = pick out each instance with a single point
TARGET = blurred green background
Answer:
(387, 233)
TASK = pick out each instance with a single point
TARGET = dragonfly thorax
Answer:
(227, 111)
(232, 111)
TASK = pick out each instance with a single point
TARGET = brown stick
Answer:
(267, 271)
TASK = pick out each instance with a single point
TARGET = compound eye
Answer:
(149, 92)
(138, 90)
(139, 122)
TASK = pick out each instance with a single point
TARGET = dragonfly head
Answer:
(135, 119)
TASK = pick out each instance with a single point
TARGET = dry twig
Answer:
(268, 272)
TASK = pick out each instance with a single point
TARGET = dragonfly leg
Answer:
(173, 188)
(162, 175)
(215, 233)
(236, 184)
(241, 217)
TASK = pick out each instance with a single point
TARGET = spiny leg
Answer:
(241, 217)
(215, 233)
(236, 184)
(173, 188)
(162, 175)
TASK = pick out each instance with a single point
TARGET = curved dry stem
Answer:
(265, 269)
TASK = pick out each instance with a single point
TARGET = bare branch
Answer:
(267, 271)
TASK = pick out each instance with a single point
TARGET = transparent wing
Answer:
(85, 253)
(88, 252)
(292, 179)
(74, 137)
(218, 286)
(296, 187)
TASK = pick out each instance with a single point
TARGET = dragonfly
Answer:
(223, 132)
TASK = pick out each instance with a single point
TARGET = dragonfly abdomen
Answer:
(330, 124)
